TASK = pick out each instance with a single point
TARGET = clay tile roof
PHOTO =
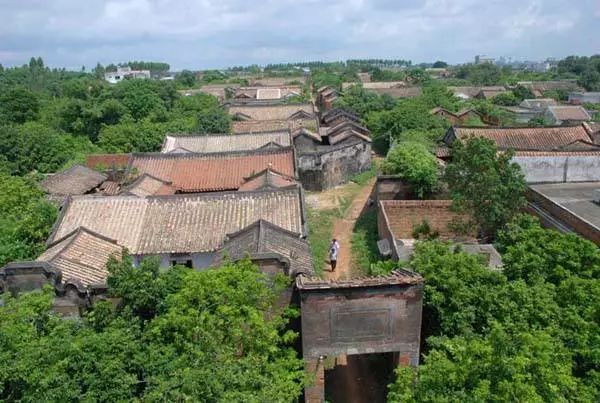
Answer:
(178, 223)
(442, 152)
(75, 180)
(308, 133)
(347, 133)
(525, 138)
(590, 153)
(223, 143)
(263, 238)
(400, 92)
(396, 277)
(147, 185)
(401, 217)
(337, 113)
(107, 161)
(569, 113)
(212, 172)
(268, 93)
(271, 112)
(259, 126)
(267, 179)
(82, 256)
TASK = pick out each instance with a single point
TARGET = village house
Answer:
(545, 154)
(77, 180)
(538, 104)
(272, 112)
(194, 143)
(188, 172)
(255, 94)
(580, 98)
(468, 92)
(125, 73)
(540, 88)
(220, 91)
(326, 96)
(559, 115)
(456, 118)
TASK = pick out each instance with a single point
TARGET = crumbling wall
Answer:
(333, 166)
(362, 320)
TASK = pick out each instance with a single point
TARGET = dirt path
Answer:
(342, 231)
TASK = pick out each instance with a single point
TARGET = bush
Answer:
(416, 165)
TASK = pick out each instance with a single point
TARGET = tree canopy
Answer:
(485, 183)
(527, 333)
(176, 335)
(415, 164)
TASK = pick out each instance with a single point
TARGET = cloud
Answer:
(219, 33)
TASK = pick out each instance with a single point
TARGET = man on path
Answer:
(333, 253)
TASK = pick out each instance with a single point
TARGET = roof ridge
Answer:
(190, 155)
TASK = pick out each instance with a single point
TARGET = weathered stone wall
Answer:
(362, 320)
(332, 166)
(559, 168)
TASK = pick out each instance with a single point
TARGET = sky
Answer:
(202, 34)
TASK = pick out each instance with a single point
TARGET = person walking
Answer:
(333, 253)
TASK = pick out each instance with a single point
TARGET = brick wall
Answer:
(404, 215)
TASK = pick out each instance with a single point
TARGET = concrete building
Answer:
(568, 207)
(125, 73)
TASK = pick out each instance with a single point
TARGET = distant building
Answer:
(558, 115)
(124, 73)
(579, 98)
(483, 59)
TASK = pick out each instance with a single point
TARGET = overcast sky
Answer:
(200, 34)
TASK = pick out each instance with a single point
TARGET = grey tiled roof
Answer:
(270, 112)
(223, 143)
(76, 180)
(263, 238)
(81, 256)
(178, 223)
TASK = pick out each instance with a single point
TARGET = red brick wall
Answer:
(404, 215)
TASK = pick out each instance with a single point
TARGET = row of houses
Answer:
(205, 199)
(561, 165)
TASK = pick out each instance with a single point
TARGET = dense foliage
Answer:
(528, 333)
(176, 335)
(415, 164)
(25, 219)
(485, 184)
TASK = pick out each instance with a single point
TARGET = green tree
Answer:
(176, 335)
(503, 366)
(414, 164)
(18, 105)
(186, 79)
(485, 184)
(25, 219)
(439, 65)
(33, 146)
(506, 99)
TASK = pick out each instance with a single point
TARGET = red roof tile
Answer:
(524, 138)
(212, 172)
(96, 161)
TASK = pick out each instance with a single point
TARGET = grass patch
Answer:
(364, 177)
(364, 242)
